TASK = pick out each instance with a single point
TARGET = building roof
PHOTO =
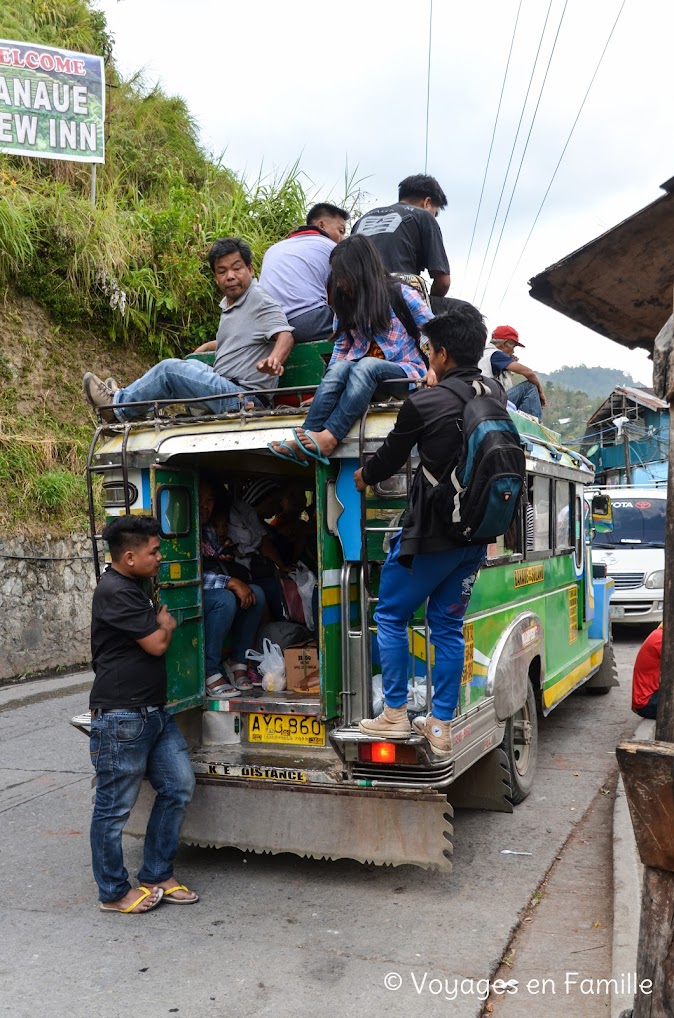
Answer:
(644, 397)
(620, 284)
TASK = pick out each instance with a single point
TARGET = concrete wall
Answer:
(45, 603)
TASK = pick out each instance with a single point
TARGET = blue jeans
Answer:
(176, 379)
(526, 398)
(222, 613)
(344, 393)
(124, 747)
(446, 578)
(650, 709)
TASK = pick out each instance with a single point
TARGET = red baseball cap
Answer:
(504, 332)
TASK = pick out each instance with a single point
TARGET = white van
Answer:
(634, 552)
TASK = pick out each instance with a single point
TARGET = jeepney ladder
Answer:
(368, 600)
(103, 469)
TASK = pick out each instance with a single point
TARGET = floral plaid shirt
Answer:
(396, 344)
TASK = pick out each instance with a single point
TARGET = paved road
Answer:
(272, 935)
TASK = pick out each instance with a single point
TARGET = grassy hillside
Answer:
(115, 287)
(45, 424)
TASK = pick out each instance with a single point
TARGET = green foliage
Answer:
(568, 406)
(131, 269)
(596, 382)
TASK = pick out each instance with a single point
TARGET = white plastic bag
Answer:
(306, 584)
(270, 665)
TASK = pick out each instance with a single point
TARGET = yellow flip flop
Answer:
(180, 901)
(145, 893)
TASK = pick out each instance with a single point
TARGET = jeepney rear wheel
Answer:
(520, 745)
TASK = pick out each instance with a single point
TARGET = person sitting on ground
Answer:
(499, 362)
(295, 272)
(373, 345)
(407, 235)
(646, 677)
(424, 563)
(231, 603)
(252, 344)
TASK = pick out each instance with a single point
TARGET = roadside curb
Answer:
(22, 694)
(627, 875)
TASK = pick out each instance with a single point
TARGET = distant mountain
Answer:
(597, 382)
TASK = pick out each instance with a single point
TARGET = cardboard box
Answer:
(302, 673)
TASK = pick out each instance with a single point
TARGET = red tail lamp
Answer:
(386, 753)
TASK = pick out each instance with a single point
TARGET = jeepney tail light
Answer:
(386, 753)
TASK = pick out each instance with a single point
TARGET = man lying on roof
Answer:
(252, 344)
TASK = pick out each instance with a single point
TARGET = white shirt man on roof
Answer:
(500, 362)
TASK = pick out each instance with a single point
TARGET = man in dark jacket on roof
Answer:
(406, 234)
(423, 561)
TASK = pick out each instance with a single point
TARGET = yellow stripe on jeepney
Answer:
(555, 693)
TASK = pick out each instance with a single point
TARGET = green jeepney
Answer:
(289, 771)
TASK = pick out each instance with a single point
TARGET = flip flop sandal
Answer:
(130, 910)
(291, 456)
(180, 901)
(315, 453)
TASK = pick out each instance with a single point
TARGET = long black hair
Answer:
(360, 287)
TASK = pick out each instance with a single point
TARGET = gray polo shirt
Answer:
(246, 335)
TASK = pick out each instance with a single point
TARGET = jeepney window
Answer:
(510, 543)
(564, 537)
(173, 510)
(540, 499)
(579, 530)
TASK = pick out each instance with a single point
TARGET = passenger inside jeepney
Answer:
(293, 530)
(378, 322)
(234, 601)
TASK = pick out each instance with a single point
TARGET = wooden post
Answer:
(655, 956)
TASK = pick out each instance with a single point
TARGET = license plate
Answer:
(291, 729)
(616, 611)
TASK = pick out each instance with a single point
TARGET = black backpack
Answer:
(478, 499)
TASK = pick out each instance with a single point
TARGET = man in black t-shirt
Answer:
(407, 234)
(132, 734)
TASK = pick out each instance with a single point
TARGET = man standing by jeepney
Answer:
(132, 733)
(423, 561)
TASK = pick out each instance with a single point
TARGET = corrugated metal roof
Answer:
(620, 284)
(644, 397)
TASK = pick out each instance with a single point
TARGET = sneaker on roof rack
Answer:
(100, 396)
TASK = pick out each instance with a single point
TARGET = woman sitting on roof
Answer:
(377, 323)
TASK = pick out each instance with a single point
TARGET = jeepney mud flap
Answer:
(385, 827)
(486, 785)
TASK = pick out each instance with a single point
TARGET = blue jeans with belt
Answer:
(446, 578)
(126, 745)
(344, 393)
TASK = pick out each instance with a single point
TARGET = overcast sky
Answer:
(344, 85)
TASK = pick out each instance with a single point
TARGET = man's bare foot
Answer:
(136, 897)
(175, 891)
(325, 440)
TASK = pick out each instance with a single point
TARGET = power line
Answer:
(512, 152)
(566, 145)
(428, 80)
(491, 144)
(524, 151)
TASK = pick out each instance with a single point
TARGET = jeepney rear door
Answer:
(176, 506)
